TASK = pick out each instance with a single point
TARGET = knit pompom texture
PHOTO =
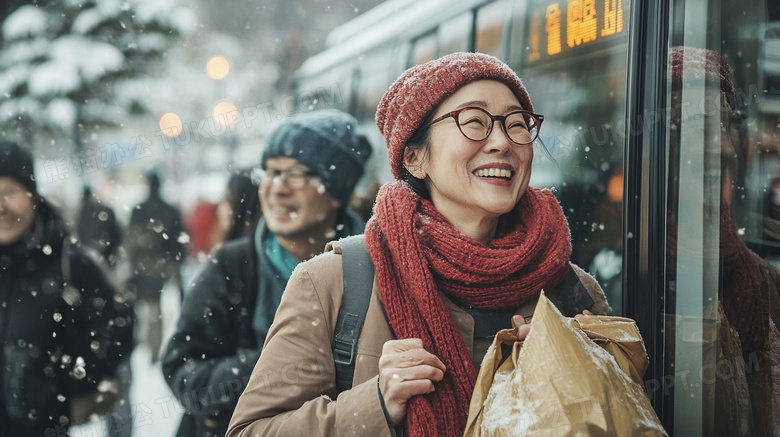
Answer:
(686, 63)
(420, 89)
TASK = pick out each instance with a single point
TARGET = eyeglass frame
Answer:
(260, 175)
(493, 118)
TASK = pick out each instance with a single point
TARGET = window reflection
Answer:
(452, 36)
(490, 29)
(719, 291)
(424, 49)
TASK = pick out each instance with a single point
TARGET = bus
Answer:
(641, 184)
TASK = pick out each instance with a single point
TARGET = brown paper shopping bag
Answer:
(559, 382)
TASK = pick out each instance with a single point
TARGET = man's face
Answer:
(295, 204)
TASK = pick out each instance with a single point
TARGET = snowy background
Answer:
(95, 87)
(86, 85)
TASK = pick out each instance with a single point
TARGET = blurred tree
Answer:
(66, 65)
(289, 30)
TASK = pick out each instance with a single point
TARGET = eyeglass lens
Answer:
(476, 124)
(292, 178)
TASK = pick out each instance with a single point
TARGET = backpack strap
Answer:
(358, 273)
(65, 260)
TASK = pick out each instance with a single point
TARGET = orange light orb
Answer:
(225, 112)
(170, 124)
(218, 67)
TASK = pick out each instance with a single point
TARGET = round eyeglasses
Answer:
(476, 124)
(292, 178)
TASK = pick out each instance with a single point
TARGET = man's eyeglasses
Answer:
(292, 178)
(476, 124)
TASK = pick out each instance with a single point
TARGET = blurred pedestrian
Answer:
(98, 228)
(99, 231)
(201, 225)
(156, 246)
(63, 326)
(309, 169)
(239, 210)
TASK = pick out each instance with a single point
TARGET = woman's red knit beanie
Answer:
(420, 89)
(696, 63)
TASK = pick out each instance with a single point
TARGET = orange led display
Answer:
(553, 28)
(534, 40)
(613, 17)
(580, 22)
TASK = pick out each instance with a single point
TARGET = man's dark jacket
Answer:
(211, 355)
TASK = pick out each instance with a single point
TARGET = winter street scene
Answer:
(389, 218)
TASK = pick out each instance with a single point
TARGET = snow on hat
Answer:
(696, 63)
(420, 89)
(17, 163)
(329, 142)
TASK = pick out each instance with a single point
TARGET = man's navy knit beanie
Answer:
(329, 143)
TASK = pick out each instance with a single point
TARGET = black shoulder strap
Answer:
(358, 273)
(65, 260)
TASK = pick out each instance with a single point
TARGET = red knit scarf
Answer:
(418, 253)
(745, 293)
(745, 285)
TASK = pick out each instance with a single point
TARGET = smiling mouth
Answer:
(282, 211)
(497, 173)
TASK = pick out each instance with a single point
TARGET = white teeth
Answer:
(494, 172)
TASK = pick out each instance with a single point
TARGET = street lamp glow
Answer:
(170, 124)
(218, 67)
(225, 112)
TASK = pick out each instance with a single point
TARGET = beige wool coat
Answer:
(292, 390)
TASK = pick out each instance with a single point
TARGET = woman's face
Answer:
(16, 210)
(458, 170)
(225, 214)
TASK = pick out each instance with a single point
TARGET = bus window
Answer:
(455, 34)
(330, 88)
(424, 49)
(581, 90)
(520, 39)
(490, 29)
(723, 206)
(373, 82)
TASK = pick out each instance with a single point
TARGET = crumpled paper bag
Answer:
(560, 382)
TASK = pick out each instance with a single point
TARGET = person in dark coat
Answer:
(310, 166)
(98, 228)
(156, 245)
(63, 326)
(99, 231)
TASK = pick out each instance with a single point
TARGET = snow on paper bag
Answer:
(620, 337)
(558, 382)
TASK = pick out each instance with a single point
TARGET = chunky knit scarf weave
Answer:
(745, 293)
(744, 290)
(418, 254)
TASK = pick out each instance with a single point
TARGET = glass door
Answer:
(721, 126)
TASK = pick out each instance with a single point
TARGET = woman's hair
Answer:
(420, 140)
(242, 196)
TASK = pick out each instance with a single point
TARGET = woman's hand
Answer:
(522, 328)
(406, 370)
(584, 313)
